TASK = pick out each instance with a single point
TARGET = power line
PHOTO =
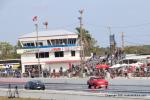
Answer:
(132, 26)
(125, 26)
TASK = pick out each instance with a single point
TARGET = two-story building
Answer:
(49, 50)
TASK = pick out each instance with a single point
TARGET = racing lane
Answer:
(113, 89)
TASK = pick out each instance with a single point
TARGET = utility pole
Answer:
(82, 56)
(111, 49)
(37, 43)
(109, 29)
(122, 39)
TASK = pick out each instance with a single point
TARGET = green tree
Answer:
(7, 51)
(135, 49)
(90, 44)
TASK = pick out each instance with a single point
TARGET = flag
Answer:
(34, 18)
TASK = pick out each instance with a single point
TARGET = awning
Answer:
(102, 66)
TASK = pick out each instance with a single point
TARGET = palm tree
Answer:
(88, 41)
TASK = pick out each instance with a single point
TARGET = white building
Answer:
(58, 48)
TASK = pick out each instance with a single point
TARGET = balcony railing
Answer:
(48, 46)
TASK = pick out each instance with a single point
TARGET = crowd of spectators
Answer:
(89, 68)
(8, 72)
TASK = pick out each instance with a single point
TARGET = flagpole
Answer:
(37, 44)
(36, 25)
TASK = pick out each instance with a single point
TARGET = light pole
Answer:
(37, 42)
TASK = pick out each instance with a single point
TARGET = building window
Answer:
(59, 54)
(73, 53)
(53, 42)
(42, 55)
(28, 44)
(49, 42)
(39, 44)
(72, 41)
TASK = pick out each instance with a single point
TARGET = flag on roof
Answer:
(34, 18)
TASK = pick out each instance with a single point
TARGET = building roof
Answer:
(48, 33)
(134, 56)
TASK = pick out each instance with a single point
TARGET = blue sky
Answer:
(129, 16)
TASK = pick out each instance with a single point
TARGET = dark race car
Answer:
(97, 82)
(35, 85)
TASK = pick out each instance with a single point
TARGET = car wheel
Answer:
(89, 86)
(106, 87)
(25, 87)
(30, 88)
(43, 88)
(95, 86)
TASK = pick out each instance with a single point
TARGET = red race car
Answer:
(97, 82)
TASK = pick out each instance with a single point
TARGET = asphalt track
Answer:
(143, 90)
(118, 87)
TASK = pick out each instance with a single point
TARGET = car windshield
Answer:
(37, 81)
(95, 78)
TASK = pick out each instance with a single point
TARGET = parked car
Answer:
(35, 85)
(97, 82)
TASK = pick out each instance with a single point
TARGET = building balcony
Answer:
(50, 48)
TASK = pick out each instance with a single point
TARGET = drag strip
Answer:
(113, 89)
